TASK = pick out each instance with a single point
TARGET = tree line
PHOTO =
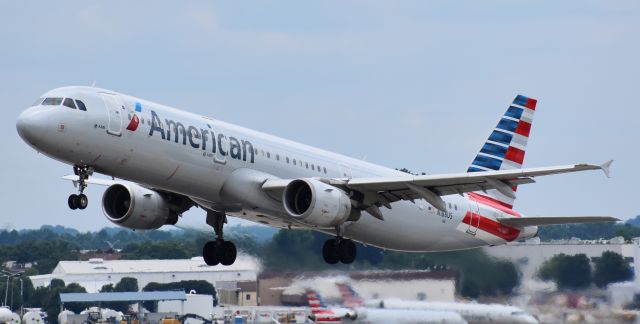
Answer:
(286, 250)
(576, 272)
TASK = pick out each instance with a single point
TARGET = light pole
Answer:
(21, 298)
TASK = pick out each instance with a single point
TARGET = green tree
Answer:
(610, 267)
(127, 284)
(567, 271)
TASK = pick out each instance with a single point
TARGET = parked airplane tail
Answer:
(319, 311)
(506, 146)
(350, 297)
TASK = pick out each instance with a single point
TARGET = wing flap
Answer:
(516, 176)
(553, 220)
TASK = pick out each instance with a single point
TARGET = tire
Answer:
(82, 201)
(347, 251)
(72, 201)
(229, 253)
(330, 251)
(210, 253)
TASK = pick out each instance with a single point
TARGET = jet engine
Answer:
(132, 206)
(316, 203)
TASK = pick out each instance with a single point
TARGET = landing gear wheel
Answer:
(347, 251)
(330, 251)
(82, 201)
(72, 201)
(228, 253)
(218, 251)
(210, 253)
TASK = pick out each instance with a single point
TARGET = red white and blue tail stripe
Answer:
(349, 296)
(319, 311)
(506, 146)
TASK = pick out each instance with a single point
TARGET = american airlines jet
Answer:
(471, 312)
(170, 160)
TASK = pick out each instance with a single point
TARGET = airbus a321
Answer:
(166, 161)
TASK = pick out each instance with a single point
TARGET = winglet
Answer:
(606, 167)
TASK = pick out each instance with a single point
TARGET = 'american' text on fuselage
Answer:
(198, 138)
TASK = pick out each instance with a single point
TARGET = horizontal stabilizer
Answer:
(553, 220)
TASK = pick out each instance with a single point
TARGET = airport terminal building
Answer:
(95, 273)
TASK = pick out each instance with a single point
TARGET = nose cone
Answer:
(31, 126)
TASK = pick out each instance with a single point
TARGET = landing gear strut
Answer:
(218, 251)
(339, 249)
(80, 201)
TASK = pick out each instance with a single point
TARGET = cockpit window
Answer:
(81, 105)
(52, 101)
(38, 101)
(69, 103)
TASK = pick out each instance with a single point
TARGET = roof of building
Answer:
(122, 296)
(196, 264)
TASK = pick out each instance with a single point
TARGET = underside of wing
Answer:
(554, 220)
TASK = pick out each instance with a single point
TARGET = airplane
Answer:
(321, 313)
(472, 313)
(163, 161)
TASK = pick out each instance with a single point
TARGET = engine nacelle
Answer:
(316, 203)
(132, 206)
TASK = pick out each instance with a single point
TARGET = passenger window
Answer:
(278, 157)
(256, 150)
(325, 170)
(294, 161)
(52, 101)
(69, 103)
(312, 168)
(306, 164)
(287, 160)
(81, 105)
(268, 155)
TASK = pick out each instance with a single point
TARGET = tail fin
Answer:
(350, 298)
(506, 146)
(314, 300)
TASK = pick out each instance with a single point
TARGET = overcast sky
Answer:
(403, 84)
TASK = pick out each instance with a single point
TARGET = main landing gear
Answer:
(339, 250)
(80, 201)
(218, 251)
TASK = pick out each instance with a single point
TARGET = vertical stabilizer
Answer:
(349, 296)
(506, 146)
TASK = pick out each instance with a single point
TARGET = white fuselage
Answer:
(472, 313)
(160, 155)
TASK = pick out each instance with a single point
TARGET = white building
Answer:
(95, 273)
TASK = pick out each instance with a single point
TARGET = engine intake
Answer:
(136, 207)
(316, 203)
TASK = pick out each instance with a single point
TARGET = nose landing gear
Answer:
(80, 201)
(218, 251)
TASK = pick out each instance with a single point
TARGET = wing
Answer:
(554, 220)
(382, 191)
(91, 180)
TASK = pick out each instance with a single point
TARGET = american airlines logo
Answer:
(200, 138)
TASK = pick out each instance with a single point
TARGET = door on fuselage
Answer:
(474, 221)
(115, 110)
